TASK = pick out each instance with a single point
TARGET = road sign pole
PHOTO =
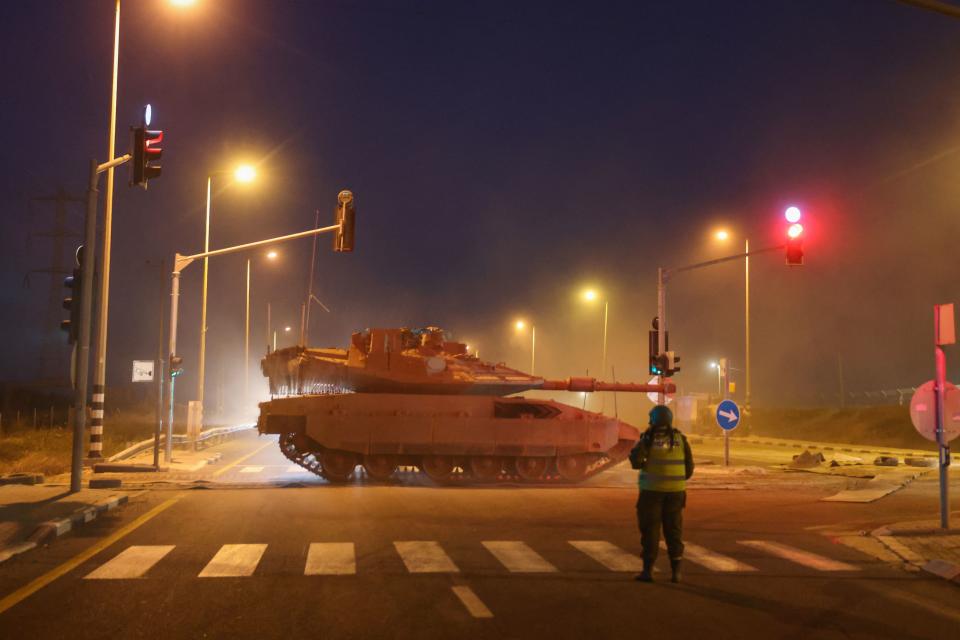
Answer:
(726, 396)
(944, 465)
(943, 333)
(661, 323)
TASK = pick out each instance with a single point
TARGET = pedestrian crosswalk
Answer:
(430, 557)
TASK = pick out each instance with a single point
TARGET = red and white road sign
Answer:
(923, 408)
(655, 397)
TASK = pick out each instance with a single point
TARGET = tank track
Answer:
(461, 474)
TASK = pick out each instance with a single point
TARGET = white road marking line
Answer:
(474, 605)
(251, 470)
(798, 556)
(132, 562)
(711, 559)
(331, 559)
(424, 556)
(518, 557)
(609, 555)
(295, 469)
(234, 560)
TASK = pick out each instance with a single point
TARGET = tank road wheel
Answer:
(486, 468)
(531, 469)
(438, 468)
(380, 467)
(338, 465)
(573, 468)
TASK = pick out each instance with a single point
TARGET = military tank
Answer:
(410, 398)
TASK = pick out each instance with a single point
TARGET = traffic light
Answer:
(794, 236)
(346, 217)
(176, 365)
(146, 155)
(72, 304)
(658, 363)
(672, 362)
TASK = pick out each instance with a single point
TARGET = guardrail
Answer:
(179, 438)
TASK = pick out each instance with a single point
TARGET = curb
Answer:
(56, 528)
(949, 571)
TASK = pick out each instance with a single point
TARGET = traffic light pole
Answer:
(180, 263)
(82, 363)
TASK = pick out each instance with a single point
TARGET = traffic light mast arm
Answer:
(181, 262)
(116, 162)
(709, 263)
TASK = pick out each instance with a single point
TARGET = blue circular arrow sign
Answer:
(728, 415)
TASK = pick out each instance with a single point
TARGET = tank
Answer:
(412, 398)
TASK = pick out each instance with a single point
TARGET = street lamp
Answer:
(271, 255)
(591, 295)
(243, 174)
(716, 365)
(100, 366)
(746, 307)
(519, 326)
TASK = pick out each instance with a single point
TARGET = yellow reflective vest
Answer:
(665, 468)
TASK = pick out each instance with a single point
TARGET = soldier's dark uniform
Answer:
(665, 461)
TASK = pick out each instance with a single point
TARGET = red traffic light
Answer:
(146, 154)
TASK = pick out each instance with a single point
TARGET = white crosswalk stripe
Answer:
(424, 556)
(472, 602)
(609, 555)
(132, 562)
(798, 556)
(331, 558)
(234, 560)
(295, 468)
(252, 469)
(711, 559)
(518, 557)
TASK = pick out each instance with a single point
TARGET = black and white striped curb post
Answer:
(96, 423)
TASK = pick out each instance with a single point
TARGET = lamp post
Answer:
(722, 235)
(243, 173)
(519, 326)
(99, 381)
(271, 255)
(715, 365)
(590, 295)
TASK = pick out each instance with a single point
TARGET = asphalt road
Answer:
(415, 561)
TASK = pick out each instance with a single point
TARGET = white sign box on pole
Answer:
(143, 370)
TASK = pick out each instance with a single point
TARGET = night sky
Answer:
(503, 156)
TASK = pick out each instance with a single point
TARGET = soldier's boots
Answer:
(676, 574)
(647, 574)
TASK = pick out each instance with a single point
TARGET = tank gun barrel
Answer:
(589, 385)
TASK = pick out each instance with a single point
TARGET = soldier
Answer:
(665, 462)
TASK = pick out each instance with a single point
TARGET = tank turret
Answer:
(415, 361)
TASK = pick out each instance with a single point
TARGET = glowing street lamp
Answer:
(519, 326)
(723, 235)
(243, 174)
(271, 255)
